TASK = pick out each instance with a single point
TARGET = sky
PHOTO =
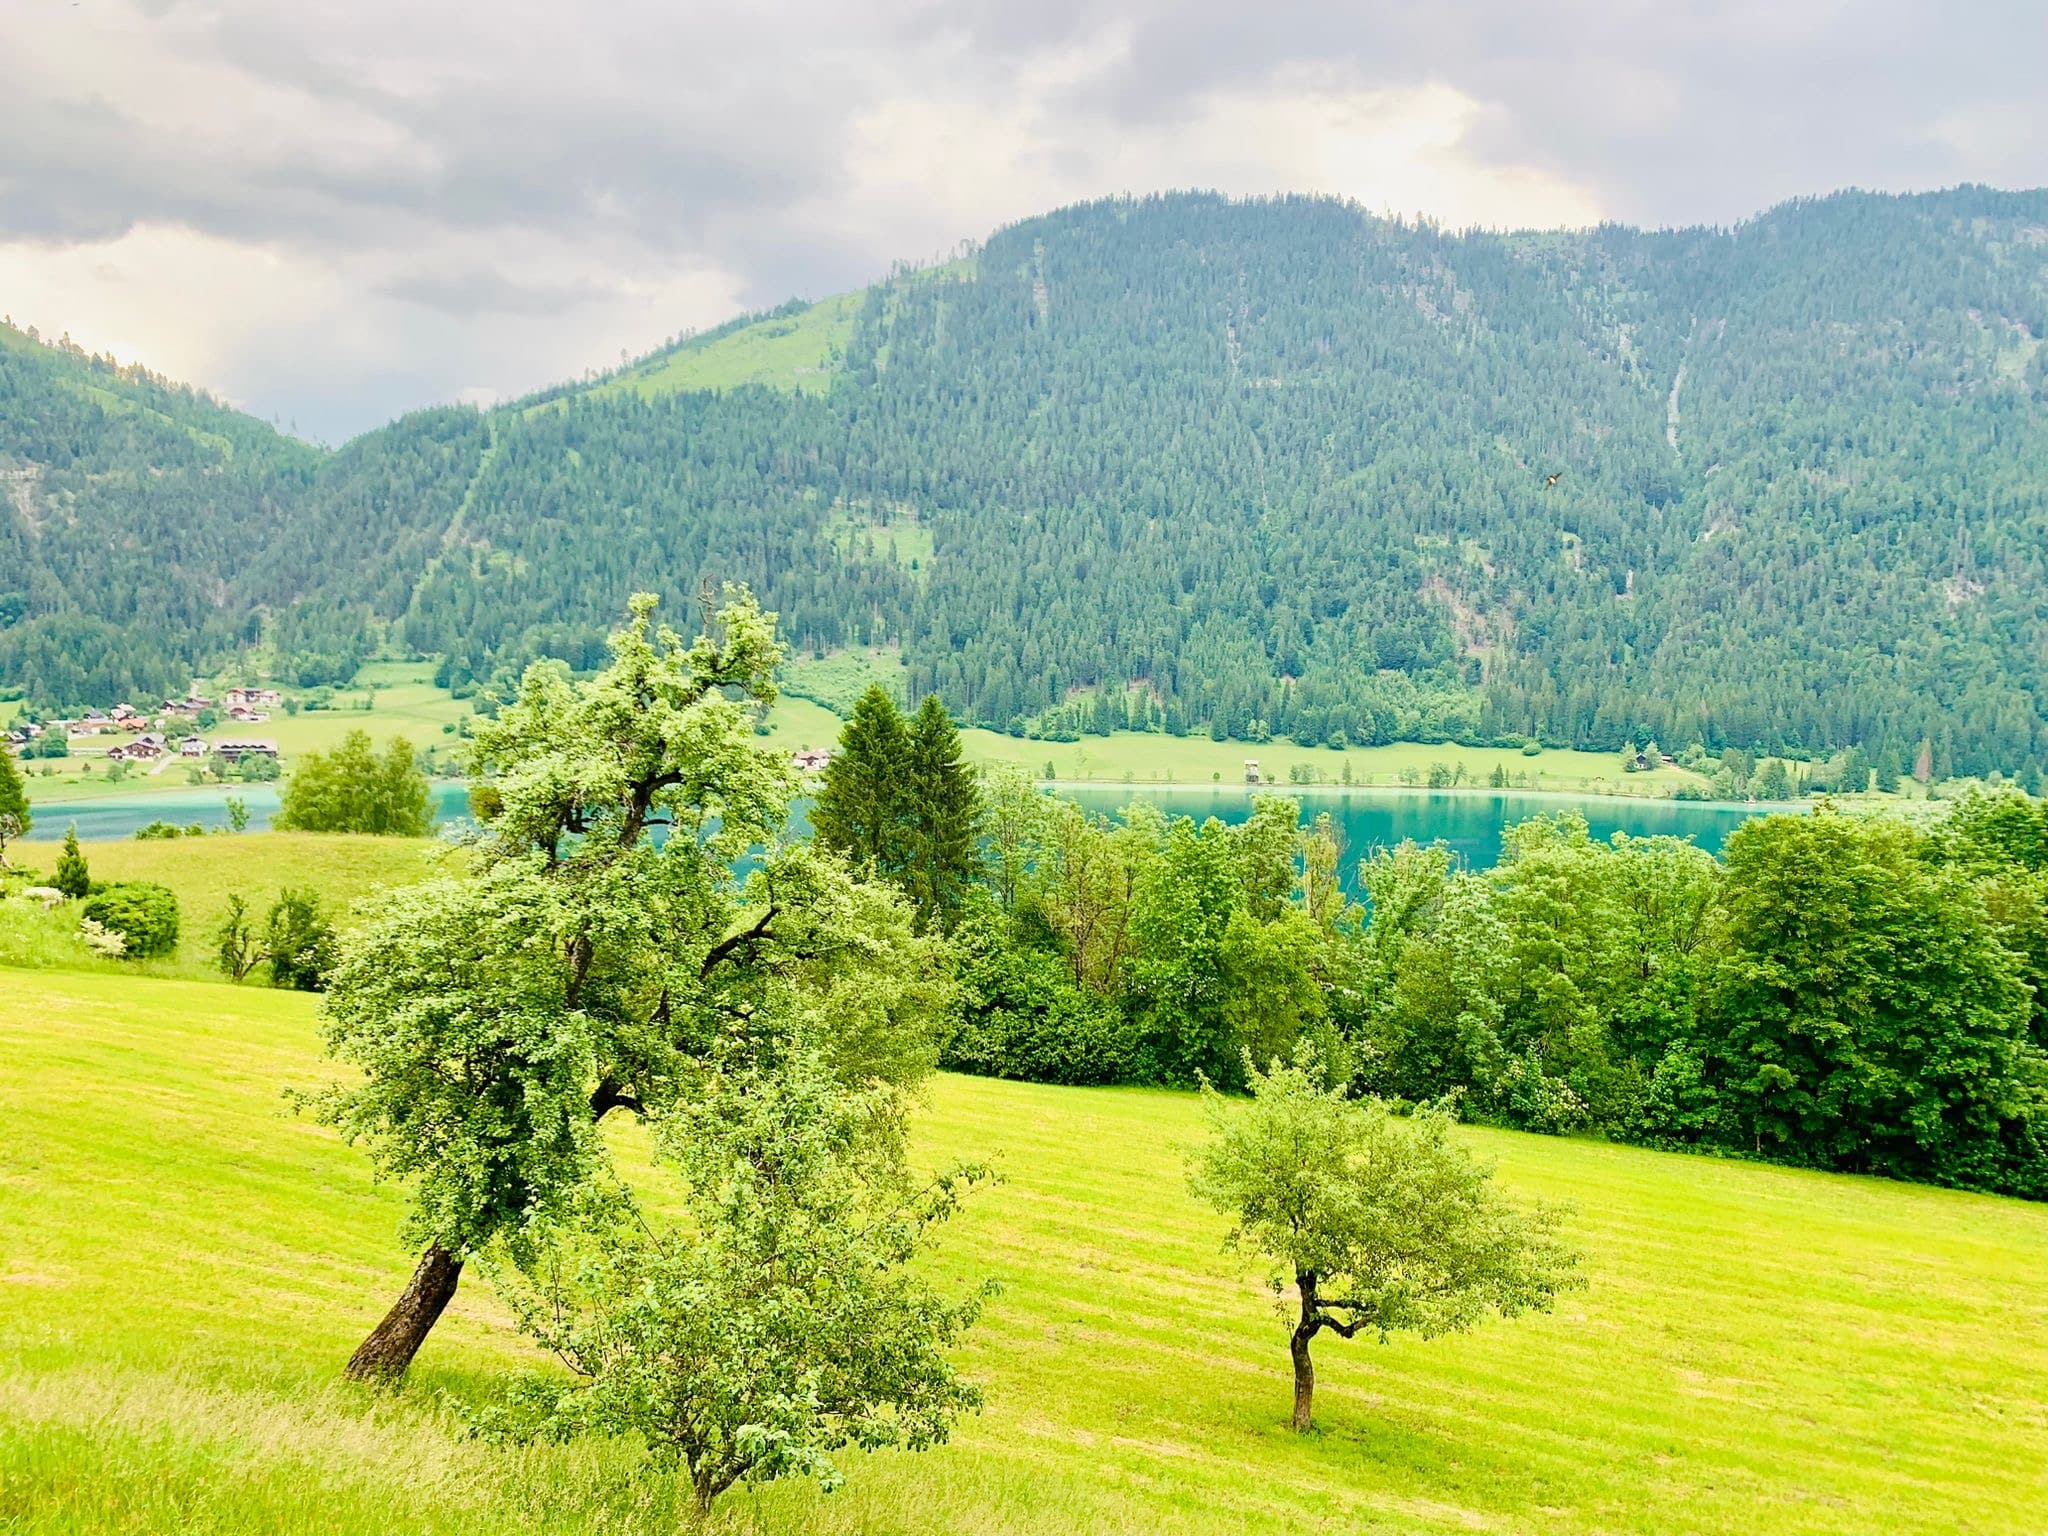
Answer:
(333, 211)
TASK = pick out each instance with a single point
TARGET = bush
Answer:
(144, 914)
(1023, 1016)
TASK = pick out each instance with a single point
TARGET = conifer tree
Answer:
(942, 815)
(72, 878)
(863, 809)
(14, 815)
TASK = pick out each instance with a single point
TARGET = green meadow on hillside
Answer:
(204, 872)
(790, 352)
(184, 1266)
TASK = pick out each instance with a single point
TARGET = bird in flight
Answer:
(1551, 480)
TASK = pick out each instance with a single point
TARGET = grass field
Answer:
(183, 1267)
(795, 353)
(204, 872)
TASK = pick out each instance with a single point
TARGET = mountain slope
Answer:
(1283, 467)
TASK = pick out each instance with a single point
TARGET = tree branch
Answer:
(731, 944)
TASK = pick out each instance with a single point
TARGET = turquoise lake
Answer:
(1469, 821)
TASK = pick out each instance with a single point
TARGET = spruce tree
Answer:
(14, 817)
(942, 816)
(862, 810)
(72, 878)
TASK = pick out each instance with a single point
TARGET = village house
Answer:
(242, 714)
(252, 698)
(810, 760)
(234, 751)
(192, 746)
(146, 748)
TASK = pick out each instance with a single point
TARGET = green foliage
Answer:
(942, 819)
(898, 799)
(73, 877)
(576, 965)
(863, 807)
(355, 789)
(238, 810)
(143, 913)
(1379, 1225)
(1865, 1015)
(299, 942)
(15, 819)
(778, 1321)
(236, 951)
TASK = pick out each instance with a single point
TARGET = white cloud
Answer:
(339, 209)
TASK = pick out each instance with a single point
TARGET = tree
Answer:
(298, 942)
(236, 951)
(355, 789)
(778, 1320)
(238, 812)
(863, 807)
(143, 913)
(573, 965)
(1380, 1225)
(73, 878)
(941, 824)
(15, 819)
(1865, 1014)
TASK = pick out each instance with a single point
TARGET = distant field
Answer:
(1148, 758)
(796, 352)
(204, 872)
(185, 1265)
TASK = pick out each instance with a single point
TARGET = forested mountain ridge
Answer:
(1245, 467)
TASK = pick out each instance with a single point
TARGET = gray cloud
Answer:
(340, 209)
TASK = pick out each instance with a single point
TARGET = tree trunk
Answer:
(1304, 1367)
(389, 1349)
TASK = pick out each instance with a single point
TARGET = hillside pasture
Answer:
(203, 872)
(184, 1266)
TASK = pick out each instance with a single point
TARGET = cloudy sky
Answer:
(331, 211)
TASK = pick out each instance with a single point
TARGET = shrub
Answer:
(144, 914)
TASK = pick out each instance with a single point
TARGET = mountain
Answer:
(1243, 467)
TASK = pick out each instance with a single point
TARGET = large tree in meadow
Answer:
(1378, 1225)
(573, 963)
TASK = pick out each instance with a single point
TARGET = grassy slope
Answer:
(792, 353)
(183, 1268)
(204, 872)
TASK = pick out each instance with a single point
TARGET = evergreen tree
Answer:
(14, 815)
(863, 809)
(942, 815)
(72, 877)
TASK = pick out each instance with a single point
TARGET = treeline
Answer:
(1275, 467)
(1842, 991)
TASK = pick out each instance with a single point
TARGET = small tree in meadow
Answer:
(72, 877)
(237, 951)
(1380, 1225)
(777, 1324)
